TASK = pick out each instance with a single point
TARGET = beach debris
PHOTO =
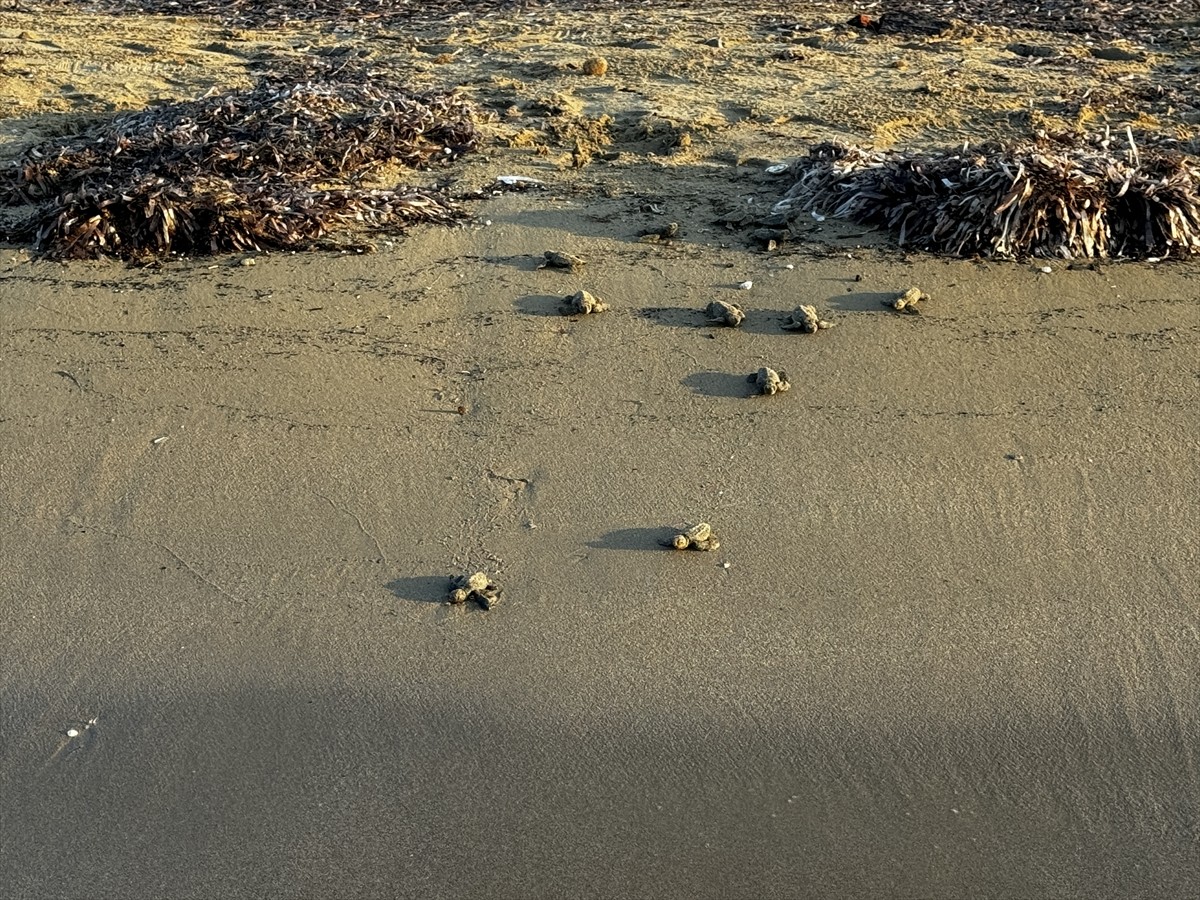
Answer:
(807, 320)
(777, 169)
(519, 182)
(720, 312)
(275, 166)
(477, 587)
(1053, 198)
(1155, 22)
(583, 303)
(907, 301)
(554, 259)
(596, 67)
(769, 382)
(659, 235)
(696, 537)
(745, 285)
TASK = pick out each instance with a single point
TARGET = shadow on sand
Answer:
(646, 539)
(422, 589)
(718, 384)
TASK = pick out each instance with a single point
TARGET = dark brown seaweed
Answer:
(277, 166)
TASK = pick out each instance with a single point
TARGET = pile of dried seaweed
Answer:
(282, 13)
(277, 166)
(1030, 200)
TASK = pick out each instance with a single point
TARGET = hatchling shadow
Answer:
(421, 589)
(764, 321)
(718, 384)
(860, 301)
(634, 539)
(675, 316)
(541, 305)
(756, 321)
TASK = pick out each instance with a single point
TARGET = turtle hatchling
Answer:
(720, 312)
(583, 303)
(554, 259)
(477, 587)
(665, 234)
(907, 302)
(768, 381)
(806, 319)
(696, 537)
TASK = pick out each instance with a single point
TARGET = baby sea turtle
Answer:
(583, 303)
(720, 312)
(806, 319)
(696, 537)
(907, 302)
(665, 234)
(475, 587)
(596, 66)
(769, 381)
(554, 259)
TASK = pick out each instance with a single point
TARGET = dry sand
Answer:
(950, 645)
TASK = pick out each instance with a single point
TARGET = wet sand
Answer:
(948, 648)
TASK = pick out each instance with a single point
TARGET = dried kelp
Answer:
(1161, 22)
(1029, 200)
(1151, 22)
(277, 166)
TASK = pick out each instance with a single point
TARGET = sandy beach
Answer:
(949, 646)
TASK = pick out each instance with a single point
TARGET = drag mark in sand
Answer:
(383, 558)
(136, 538)
(75, 737)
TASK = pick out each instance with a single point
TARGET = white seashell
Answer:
(777, 169)
(746, 285)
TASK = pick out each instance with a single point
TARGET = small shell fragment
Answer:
(778, 169)
(554, 259)
(769, 382)
(806, 319)
(746, 285)
(518, 181)
(720, 312)
(583, 303)
(477, 587)
(907, 302)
